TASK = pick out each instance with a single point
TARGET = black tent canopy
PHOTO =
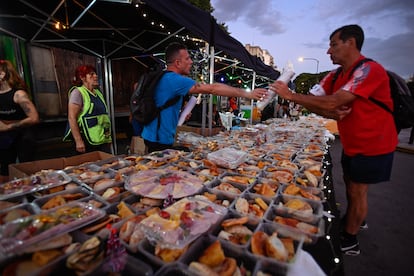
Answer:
(119, 28)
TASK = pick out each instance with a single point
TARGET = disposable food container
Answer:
(34, 183)
(251, 205)
(244, 261)
(114, 163)
(279, 266)
(148, 249)
(228, 157)
(32, 229)
(56, 189)
(174, 269)
(310, 232)
(236, 235)
(64, 196)
(265, 187)
(17, 212)
(183, 222)
(161, 183)
(230, 190)
(310, 216)
(133, 266)
(309, 193)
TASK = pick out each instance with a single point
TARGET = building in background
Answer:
(263, 54)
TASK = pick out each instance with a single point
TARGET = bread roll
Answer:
(275, 248)
(213, 255)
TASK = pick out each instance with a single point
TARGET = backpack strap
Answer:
(362, 61)
(339, 70)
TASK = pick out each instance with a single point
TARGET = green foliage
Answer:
(305, 81)
(205, 5)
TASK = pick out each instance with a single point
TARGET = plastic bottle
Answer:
(286, 76)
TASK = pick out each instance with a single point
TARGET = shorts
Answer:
(367, 169)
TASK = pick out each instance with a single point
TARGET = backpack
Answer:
(142, 103)
(401, 96)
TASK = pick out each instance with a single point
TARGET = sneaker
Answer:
(350, 247)
(364, 225)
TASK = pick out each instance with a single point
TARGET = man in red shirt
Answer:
(367, 131)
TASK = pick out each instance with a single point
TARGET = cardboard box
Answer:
(20, 170)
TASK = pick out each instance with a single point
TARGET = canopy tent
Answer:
(119, 28)
(114, 29)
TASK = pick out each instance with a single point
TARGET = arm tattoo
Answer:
(26, 108)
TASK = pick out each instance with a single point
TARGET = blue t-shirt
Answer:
(170, 85)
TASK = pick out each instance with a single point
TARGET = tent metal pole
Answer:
(252, 101)
(109, 95)
(210, 103)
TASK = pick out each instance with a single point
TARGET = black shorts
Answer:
(367, 169)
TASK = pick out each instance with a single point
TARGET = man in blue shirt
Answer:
(176, 82)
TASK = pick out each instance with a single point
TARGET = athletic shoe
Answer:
(364, 225)
(350, 247)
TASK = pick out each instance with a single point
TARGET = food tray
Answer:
(269, 229)
(306, 216)
(233, 234)
(34, 183)
(133, 266)
(228, 157)
(20, 210)
(148, 250)
(161, 183)
(165, 155)
(113, 163)
(67, 195)
(229, 190)
(265, 187)
(60, 188)
(183, 222)
(243, 259)
(246, 205)
(310, 193)
(29, 230)
(310, 232)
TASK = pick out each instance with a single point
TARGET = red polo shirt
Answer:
(368, 129)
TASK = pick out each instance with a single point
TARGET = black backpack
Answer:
(142, 103)
(401, 95)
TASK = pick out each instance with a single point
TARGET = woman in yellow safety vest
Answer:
(89, 125)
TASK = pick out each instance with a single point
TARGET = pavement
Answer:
(387, 243)
(403, 138)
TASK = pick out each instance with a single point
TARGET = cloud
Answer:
(394, 53)
(289, 29)
(259, 15)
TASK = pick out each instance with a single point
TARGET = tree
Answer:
(205, 5)
(305, 81)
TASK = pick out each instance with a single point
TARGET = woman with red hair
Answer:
(17, 114)
(89, 125)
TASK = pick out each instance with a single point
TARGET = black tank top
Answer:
(9, 110)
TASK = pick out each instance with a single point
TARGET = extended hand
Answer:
(280, 88)
(259, 94)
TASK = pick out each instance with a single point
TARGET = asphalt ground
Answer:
(386, 246)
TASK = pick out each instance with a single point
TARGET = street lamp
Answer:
(301, 59)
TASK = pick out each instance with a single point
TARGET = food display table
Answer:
(246, 201)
